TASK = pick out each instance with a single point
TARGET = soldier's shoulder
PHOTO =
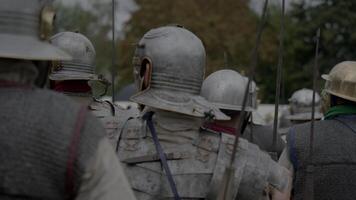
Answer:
(54, 101)
(304, 128)
(59, 106)
(102, 108)
(128, 109)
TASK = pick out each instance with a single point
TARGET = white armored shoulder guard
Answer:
(107, 113)
(254, 170)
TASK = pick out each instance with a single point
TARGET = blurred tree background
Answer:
(228, 27)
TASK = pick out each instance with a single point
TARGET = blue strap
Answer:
(292, 150)
(348, 121)
(162, 155)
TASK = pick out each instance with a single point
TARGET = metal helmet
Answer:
(341, 81)
(82, 67)
(226, 89)
(25, 26)
(177, 57)
(301, 103)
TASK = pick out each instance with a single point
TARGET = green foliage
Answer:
(225, 26)
(337, 21)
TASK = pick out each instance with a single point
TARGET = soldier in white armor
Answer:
(73, 78)
(50, 148)
(300, 110)
(301, 106)
(168, 155)
(225, 89)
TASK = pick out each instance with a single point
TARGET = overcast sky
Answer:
(126, 7)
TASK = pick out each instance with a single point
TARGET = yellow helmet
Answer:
(341, 81)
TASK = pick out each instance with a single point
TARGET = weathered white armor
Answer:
(226, 88)
(112, 116)
(197, 159)
(177, 57)
(82, 67)
(301, 105)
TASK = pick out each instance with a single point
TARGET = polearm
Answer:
(278, 80)
(309, 184)
(113, 50)
(226, 192)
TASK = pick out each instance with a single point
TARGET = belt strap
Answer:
(13, 84)
(162, 155)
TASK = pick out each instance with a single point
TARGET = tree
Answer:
(337, 21)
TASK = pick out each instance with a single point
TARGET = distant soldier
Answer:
(225, 89)
(74, 78)
(50, 148)
(332, 168)
(169, 66)
(300, 110)
(301, 106)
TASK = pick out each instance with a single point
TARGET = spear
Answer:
(278, 80)
(309, 183)
(226, 184)
(113, 50)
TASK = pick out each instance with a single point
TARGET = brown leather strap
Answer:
(73, 151)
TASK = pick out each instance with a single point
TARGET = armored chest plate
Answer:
(192, 164)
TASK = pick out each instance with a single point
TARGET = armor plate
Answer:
(197, 160)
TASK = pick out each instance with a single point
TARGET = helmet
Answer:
(226, 89)
(341, 81)
(177, 58)
(301, 105)
(24, 28)
(82, 67)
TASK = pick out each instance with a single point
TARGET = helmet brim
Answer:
(29, 48)
(188, 104)
(232, 107)
(304, 116)
(325, 77)
(58, 76)
(338, 94)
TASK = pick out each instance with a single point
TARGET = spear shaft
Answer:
(279, 78)
(113, 50)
